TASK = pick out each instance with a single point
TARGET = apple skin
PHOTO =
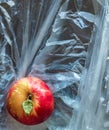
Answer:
(38, 93)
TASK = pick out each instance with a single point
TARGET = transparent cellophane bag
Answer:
(48, 39)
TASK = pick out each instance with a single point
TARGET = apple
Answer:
(30, 101)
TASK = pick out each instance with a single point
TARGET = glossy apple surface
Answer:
(30, 101)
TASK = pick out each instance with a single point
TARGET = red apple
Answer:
(30, 101)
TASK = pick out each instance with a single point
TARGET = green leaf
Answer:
(27, 106)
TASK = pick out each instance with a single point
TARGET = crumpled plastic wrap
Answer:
(93, 112)
(53, 40)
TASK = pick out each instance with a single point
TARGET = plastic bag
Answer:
(48, 39)
(93, 109)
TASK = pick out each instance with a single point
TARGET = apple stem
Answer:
(27, 105)
(30, 97)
